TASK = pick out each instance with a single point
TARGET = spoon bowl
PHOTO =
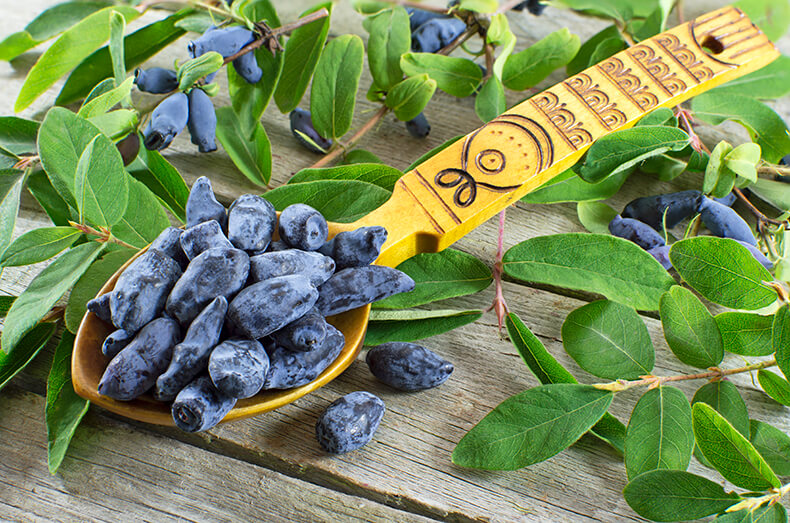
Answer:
(451, 193)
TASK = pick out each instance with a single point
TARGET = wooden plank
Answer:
(114, 471)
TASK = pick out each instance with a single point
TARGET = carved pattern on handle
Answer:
(629, 84)
(596, 100)
(563, 119)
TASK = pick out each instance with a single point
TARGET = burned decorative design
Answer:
(563, 119)
(655, 66)
(593, 97)
(628, 83)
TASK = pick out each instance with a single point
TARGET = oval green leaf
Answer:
(26, 350)
(534, 64)
(144, 218)
(334, 89)
(249, 101)
(456, 76)
(38, 245)
(746, 333)
(595, 216)
(490, 101)
(251, 155)
(390, 37)
(725, 398)
(378, 174)
(775, 386)
(338, 200)
(101, 187)
(408, 98)
(414, 324)
(780, 339)
(162, 179)
(10, 191)
(772, 444)
(689, 328)
(568, 187)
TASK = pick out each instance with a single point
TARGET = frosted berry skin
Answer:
(251, 222)
(312, 265)
(303, 227)
(142, 289)
(417, 17)
(650, 209)
(202, 122)
(202, 205)
(135, 368)
(156, 80)
(247, 67)
(101, 307)
(202, 237)
(350, 422)
(169, 243)
(419, 126)
(661, 254)
(238, 367)
(215, 272)
(302, 121)
(636, 231)
(727, 200)
(226, 42)
(355, 248)
(115, 342)
(191, 355)
(435, 34)
(724, 222)
(304, 334)
(289, 369)
(167, 120)
(408, 366)
(358, 286)
(270, 305)
(200, 406)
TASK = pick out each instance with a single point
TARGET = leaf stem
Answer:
(714, 373)
(499, 305)
(752, 504)
(26, 163)
(460, 39)
(761, 218)
(770, 168)
(338, 150)
(104, 235)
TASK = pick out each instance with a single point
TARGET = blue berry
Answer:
(156, 80)
(532, 6)
(650, 209)
(202, 237)
(202, 122)
(167, 120)
(247, 67)
(724, 222)
(661, 254)
(270, 305)
(727, 200)
(312, 265)
(302, 227)
(169, 243)
(408, 366)
(304, 334)
(199, 406)
(135, 368)
(417, 17)
(418, 126)
(101, 307)
(238, 367)
(202, 205)
(355, 248)
(191, 355)
(634, 230)
(115, 342)
(349, 422)
(358, 286)
(277, 246)
(435, 34)
(785, 160)
(141, 290)
(303, 123)
(251, 222)
(215, 272)
(226, 42)
(289, 369)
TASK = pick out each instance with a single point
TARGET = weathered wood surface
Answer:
(407, 466)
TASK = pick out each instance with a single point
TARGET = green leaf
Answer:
(116, 124)
(689, 328)
(10, 192)
(743, 160)
(65, 408)
(730, 452)
(144, 218)
(439, 276)
(456, 76)
(45, 290)
(620, 150)
(771, 16)
(334, 89)
(534, 64)
(614, 267)
(660, 435)
(772, 444)
(38, 245)
(71, 48)
(105, 102)
(715, 169)
(500, 35)
(161, 178)
(661, 116)
(342, 201)
(433, 152)
(583, 58)
(18, 135)
(137, 48)
(548, 370)
(607, 48)
(27, 349)
(414, 324)
(568, 187)
(774, 192)
(390, 37)
(764, 126)
(260, 10)
(192, 70)
(595, 216)
(367, 7)
(725, 398)
(381, 175)
(676, 495)
(775, 386)
(360, 156)
(89, 284)
(490, 101)
(117, 29)
(408, 98)
(532, 426)
(723, 271)
(249, 101)
(15, 44)
(780, 339)
(769, 83)
(100, 183)
(251, 155)
(300, 58)
(5, 305)
(608, 340)
(45, 194)
(745, 333)
(479, 6)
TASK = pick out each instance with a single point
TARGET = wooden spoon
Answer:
(450, 194)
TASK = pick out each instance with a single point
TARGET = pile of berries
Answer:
(644, 218)
(252, 310)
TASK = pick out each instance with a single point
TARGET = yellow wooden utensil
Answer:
(450, 194)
